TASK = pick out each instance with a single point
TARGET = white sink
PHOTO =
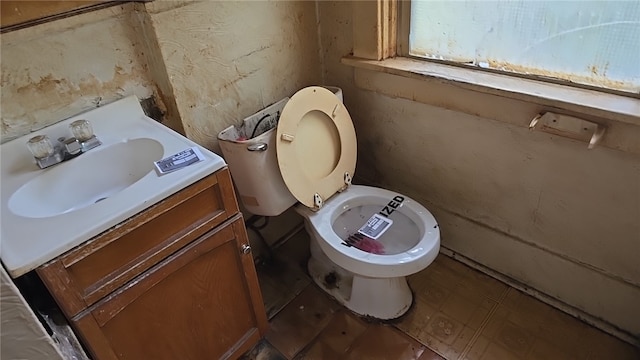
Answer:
(46, 212)
(102, 173)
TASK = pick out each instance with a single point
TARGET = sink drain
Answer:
(97, 201)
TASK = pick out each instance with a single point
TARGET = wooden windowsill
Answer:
(599, 106)
(508, 99)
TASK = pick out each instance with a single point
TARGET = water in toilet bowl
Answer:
(401, 236)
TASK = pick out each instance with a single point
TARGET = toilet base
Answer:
(380, 298)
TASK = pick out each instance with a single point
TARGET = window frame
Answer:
(382, 65)
(381, 32)
(404, 25)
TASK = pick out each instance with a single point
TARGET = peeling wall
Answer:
(227, 60)
(206, 64)
(58, 69)
(538, 208)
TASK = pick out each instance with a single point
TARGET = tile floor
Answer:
(458, 313)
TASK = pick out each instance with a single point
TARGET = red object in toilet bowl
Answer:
(365, 243)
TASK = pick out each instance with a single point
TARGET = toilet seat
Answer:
(316, 146)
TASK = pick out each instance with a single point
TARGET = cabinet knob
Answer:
(245, 249)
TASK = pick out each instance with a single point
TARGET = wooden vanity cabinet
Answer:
(176, 281)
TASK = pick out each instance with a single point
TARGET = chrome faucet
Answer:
(65, 149)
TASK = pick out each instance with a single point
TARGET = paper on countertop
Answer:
(179, 160)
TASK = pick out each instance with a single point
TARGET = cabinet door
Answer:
(93, 270)
(203, 302)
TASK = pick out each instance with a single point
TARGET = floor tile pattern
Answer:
(458, 313)
(313, 326)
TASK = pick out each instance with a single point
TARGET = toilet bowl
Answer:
(371, 284)
(364, 240)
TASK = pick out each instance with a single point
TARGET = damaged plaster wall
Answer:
(58, 69)
(227, 60)
(204, 65)
(538, 208)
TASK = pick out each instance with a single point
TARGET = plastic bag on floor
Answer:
(68, 344)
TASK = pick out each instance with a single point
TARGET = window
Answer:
(594, 43)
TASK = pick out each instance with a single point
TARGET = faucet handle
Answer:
(40, 146)
(82, 130)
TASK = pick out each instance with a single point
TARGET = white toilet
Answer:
(364, 240)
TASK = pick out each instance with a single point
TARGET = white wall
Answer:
(538, 208)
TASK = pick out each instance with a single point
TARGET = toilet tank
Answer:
(250, 152)
(253, 162)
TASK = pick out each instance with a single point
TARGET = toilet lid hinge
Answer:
(347, 180)
(317, 201)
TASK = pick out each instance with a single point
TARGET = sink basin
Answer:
(47, 212)
(104, 172)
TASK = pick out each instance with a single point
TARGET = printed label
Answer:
(178, 161)
(375, 226)
(391, 206)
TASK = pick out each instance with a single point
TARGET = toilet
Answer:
(364, 240)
